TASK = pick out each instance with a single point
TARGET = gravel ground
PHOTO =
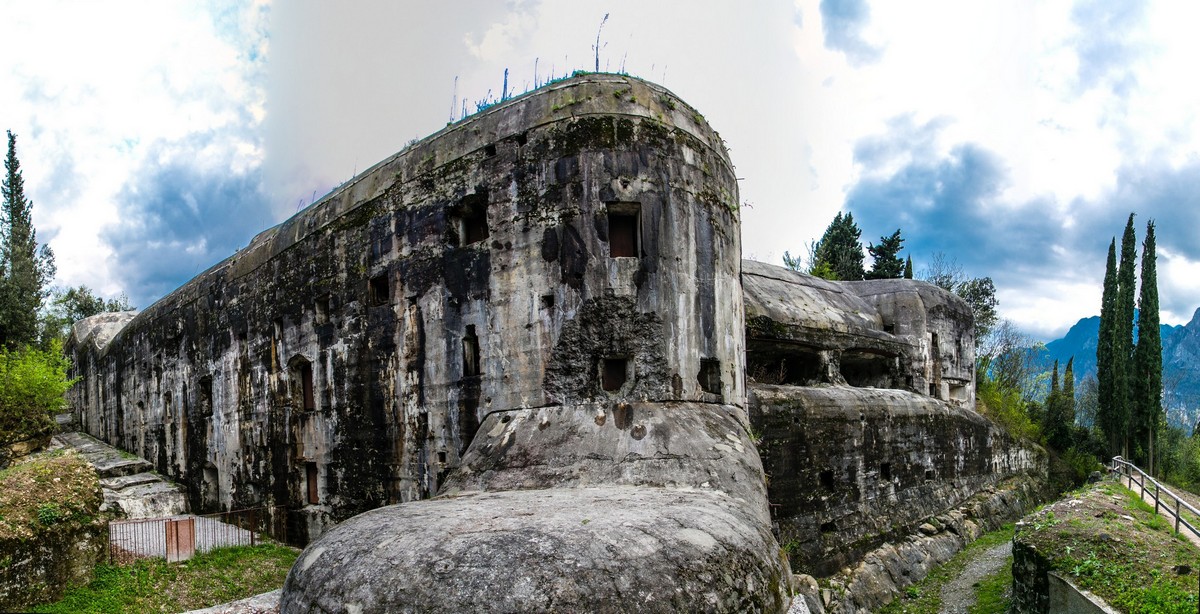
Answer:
(959, 593)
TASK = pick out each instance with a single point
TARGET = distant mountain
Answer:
(1181, 363)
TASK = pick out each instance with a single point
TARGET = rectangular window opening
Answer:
(489, 150)
(379, 290)
(470, 343)
(613, 373)
(547, 301)
(522, 139)
(826, 478)
(321, 310)
(306, 387)
(623, 230)
(310, 479)
(469, 222)
(885, 471)
(710, 375)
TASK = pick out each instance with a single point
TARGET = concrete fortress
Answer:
(531, 331)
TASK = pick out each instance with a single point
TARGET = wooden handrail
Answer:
(1125, 468)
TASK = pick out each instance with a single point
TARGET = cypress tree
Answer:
(1068, 394)
(908, 270)
(1123, 335)
(25, 270)
(1106, 416)
(1147, 358)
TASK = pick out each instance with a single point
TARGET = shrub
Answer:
(33, 385)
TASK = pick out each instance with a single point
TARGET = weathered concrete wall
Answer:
(344, 359)
(903, 334)
(850, 468)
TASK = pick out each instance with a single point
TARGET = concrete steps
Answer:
(131, 488)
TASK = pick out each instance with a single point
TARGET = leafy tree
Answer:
(886, 256)
(25, 269)
(74, 304)
(1147, 360)
(908, 269)
(1107, 416)
(839, 255)
(33, 384)
(980, 294)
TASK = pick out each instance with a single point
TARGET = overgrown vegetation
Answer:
(925, 597)
(33, 383)
(46, 491)
(154, 585)
(1111, 543)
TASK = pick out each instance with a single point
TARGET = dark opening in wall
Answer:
(828, 527)
(204, 397)
(885, 472)
(933, 390)
(623, 230)
(522, 139)
(547, 301)
(379, 290)
(710, 375)
(613, 373)
(321, 310)
(489, 150)
(470, 344)
(769, 362)
(442, 457)
(310, 479)
(826, 478)
(469, 225)
(889, 327)
(306, 387)
(865, 369)
(929, 474)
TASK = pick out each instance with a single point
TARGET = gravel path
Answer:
(959, 593)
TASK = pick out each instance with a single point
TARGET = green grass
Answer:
(925, 597)
(994, 592)
(154, 585)
(1113, 545)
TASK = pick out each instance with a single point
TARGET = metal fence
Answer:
(177, 538)
(1171, 504)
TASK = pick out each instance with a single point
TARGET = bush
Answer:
(33, 385)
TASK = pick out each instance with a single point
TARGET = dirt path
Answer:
(1148, 497)
(959, 593)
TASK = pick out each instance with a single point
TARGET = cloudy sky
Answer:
(157, 138)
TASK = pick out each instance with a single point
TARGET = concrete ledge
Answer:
(1066, 598)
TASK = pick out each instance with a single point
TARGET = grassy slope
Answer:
(1112, 543)
(153, 585)
(45, 491)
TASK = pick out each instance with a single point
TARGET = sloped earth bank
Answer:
(885, 572)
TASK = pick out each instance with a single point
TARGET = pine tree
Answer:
(25, 270)
(1106, 412)
(1147, 359)
(839, 252)
(886, 256)
(908, 269)
(1123, 334)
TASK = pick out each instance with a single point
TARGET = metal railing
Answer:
(1124, 469)
(177, 538)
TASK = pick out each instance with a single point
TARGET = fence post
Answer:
(253, 527)
(1176, 515)
(1156, 498)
